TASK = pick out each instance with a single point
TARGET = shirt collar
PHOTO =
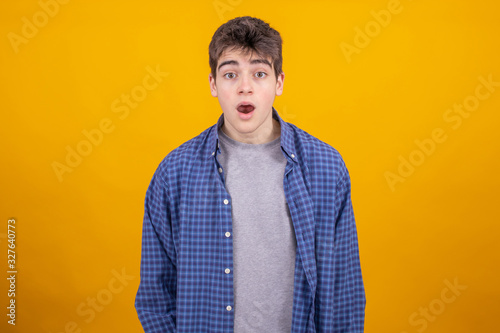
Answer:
(286, 138)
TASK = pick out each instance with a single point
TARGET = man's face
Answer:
(245, 80)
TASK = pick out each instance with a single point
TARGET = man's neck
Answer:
(268, 135)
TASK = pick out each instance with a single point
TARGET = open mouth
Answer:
(245, 107)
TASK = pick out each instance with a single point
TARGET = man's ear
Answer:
(213, 87)
(279, 84)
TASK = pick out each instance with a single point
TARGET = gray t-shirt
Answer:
(264, 244)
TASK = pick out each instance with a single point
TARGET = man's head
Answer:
(248, 34)
(245, 57)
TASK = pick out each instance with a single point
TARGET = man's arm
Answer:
(349, 294)
(155, 301)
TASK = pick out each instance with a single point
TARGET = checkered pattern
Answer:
(187, 240)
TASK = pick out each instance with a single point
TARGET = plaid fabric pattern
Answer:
(187, 240)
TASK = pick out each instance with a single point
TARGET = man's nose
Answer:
(245, 85)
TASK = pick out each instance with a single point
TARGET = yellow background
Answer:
(76, 232)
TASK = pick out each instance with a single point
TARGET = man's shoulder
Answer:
(316, 152)
(183, 155)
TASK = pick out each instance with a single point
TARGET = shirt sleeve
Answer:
(155, 301)
(349, 294)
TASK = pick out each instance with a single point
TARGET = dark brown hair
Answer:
(247, 34)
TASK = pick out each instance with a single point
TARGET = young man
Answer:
(249, 227)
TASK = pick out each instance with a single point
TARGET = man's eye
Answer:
(261, 76)
(226, 75)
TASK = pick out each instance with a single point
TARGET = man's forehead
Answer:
(234, 58)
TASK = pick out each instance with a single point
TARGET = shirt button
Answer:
(293, 155)
(228, 234)
(226, 201)
(228, 308)
(227, 270)
(213, 153)
(220, 170)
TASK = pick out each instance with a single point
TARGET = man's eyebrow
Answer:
(254, 61)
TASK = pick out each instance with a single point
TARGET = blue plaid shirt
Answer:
(187, 240)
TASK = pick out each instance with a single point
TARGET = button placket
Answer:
(226, 213)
